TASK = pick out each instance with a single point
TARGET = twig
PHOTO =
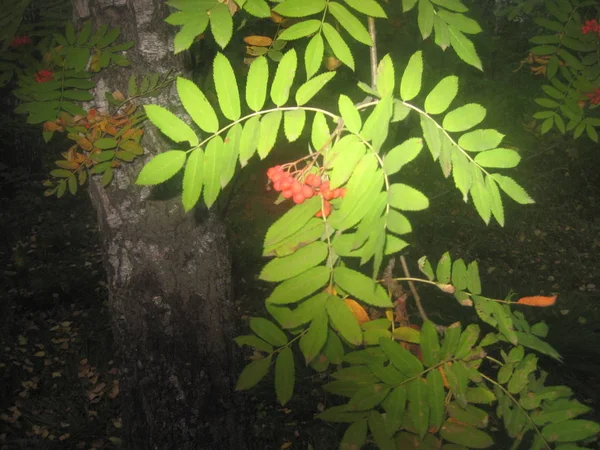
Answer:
(373, 52)
(415, 294)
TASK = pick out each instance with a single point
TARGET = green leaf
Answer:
(309, 89)
(319, 133)
(109, 37)
(299, 287)
(425, 267)
(197, 106)
(436, 399)
(231, 151)
(460, 22)
(401, 155)
(313, 55)
(442, 33)
(269, 128)
(480, 140)
(377, 425)
(425, 18)
(161, 167)
(194, 26)
(293, 123)
(464, 48)
(512, 189)
(466, 435)
(342, 319)
(300, 30)
(334, 349)
(355, 435)
(502, 158)
(303, 259)
(459, 275)
(537, 344)
(132, 89)
(406, 198)
(254, 342)
(397, 223)
(338, 46)
(418, 405)
(464, 117)
(105, 143)
(467, 340)
(520, 377)
(430, 344)
(257, 8)
(193, 179)
(443, 268)
(481, 198)
(253, 373)
(292, 221)
(571, 430)
(226, 87)
(314, 339)
(351, 24)
(268, 331)
(284, 78)
(211, 174)
(343, 158)
(171, 125)
(249, 139)
(473, 280)
(367, 7)
(385, 76)
(441, 96)
(368, 397)
(221, 24)
(256, 84)
(300, 8)
(402, 359)
(376, 125)
(284, 375)
(410, 86)
(350, 114)
(361, 286)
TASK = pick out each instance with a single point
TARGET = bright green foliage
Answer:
(568, 57)
(401, 387)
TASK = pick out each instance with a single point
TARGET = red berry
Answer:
(277, 186)
(298, 198)
(287, 182)
(313, 180)
(271, 172)
(287, 193)
(307, 191)
(277, 176)
(325, 186)
(327, 195)
(297, 187)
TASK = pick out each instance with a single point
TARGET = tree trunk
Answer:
(169, 273)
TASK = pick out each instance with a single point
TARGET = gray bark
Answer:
(169, 273)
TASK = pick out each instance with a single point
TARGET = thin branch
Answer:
(415, 294)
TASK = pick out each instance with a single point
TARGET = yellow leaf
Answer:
(40, 354)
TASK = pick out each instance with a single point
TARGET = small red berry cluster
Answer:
(591, 26)
(44, 76)
(19, 41)
(594, 96)
(290, 186)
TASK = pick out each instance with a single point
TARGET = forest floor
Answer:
(59, 385)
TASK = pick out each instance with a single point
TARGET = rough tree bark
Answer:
(169, 274)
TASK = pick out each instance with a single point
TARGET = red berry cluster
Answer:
(19, 41)
(298, 191)
(44, 76)
(591, 26)
(594, 96)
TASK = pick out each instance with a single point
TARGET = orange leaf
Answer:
(52, 126)
(538, 300)
(258, 41)
(332, 63)
(84, 144)
(357, 310)
(445, 380)
(276, 17)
